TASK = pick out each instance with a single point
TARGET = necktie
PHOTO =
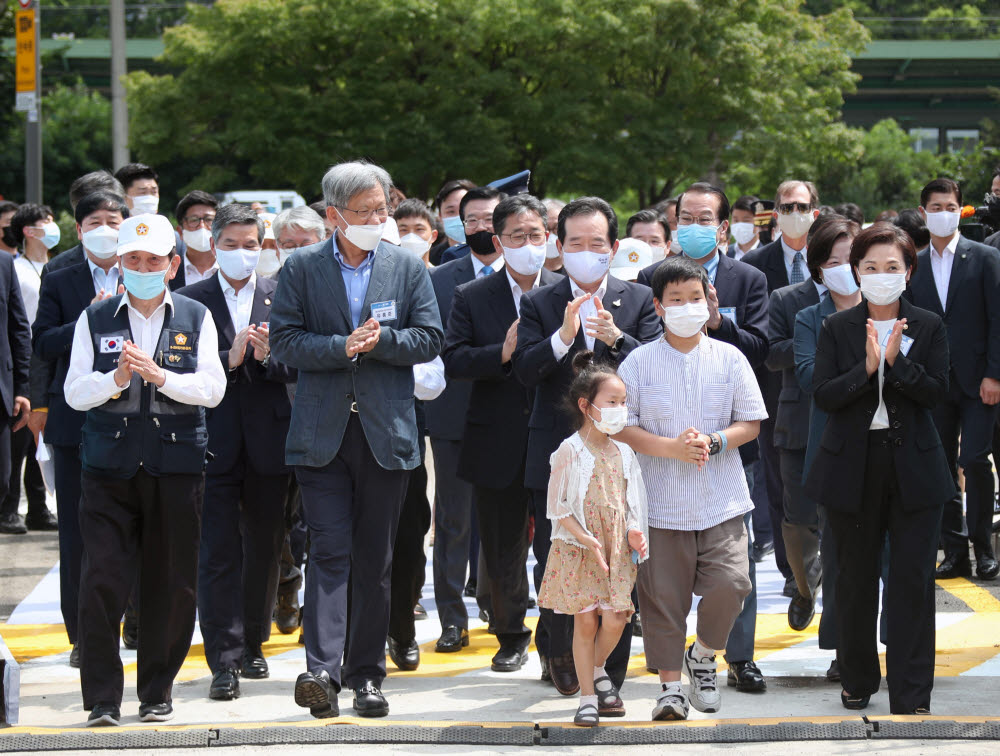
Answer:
(485, 271)
(797, 276)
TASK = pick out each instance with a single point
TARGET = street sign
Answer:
(25, 101)
(26, 61)
(26, 3)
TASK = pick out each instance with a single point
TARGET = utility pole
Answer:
(119, 106)
(28, 97)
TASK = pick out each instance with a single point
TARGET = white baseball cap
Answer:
(632, 256)
(146, 233)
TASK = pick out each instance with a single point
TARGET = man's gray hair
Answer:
(345, 180)
(240, 215)
(553, 206)
(303, 218)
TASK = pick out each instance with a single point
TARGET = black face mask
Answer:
(481, 242)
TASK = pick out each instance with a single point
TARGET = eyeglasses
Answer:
(292, 246)
(519, 238)
(787, 208)
(471, 223)
(365, 215)
(192, 222)
(684, 219)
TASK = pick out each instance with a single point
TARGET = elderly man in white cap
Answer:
(144, 365)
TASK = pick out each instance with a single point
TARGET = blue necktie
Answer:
(485, 271)
(797, 276)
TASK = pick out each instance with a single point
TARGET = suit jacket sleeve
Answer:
(804, 347)
(18, 337)
(462, 360)
(751, 337)
(650, 329)
(780, 330)
(533, 357)
(924, 384)
(832, 389)
(422, 338)
(291, 341)
(991, 293)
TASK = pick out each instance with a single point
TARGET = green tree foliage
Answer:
(593, 96)
(920, 19)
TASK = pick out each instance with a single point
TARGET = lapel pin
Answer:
(963, 256)
(267, 302)
(617, 303)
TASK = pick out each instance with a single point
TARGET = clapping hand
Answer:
(509, 343)
(602, 325)
(363, 338)
(895, 340)
(873, 352)
(571, 320)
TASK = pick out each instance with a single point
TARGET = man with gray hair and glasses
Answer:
(353, 314)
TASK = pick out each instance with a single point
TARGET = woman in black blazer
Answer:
(880, 368)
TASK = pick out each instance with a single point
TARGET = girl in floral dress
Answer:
(597, 504)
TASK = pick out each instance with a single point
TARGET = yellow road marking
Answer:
(978, 598)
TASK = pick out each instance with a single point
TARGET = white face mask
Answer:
(743, 233)
(613, 419)
(586, 267)
(416, 245)
(365, 237)
(675, 244)
(943, 224)
(883, 288)
(199, 241)
(551, 251)
(795, 225)
(101, 242)
(526, 260)
(840, 280)
(269, 262)
(686, 320)
(659, 253)
(237, 263)
(145, 203)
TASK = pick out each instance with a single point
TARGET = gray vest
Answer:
(141, 427)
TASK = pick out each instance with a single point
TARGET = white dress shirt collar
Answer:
(97, 273)
(515, 288)
(478, 265)
(790, 253)
(193, 275)
(126, 302)
(578, 292)
(950, 248)
(229, 290)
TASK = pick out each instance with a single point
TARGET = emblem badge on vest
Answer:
(180, 343)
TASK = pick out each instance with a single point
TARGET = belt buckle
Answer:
(354, 407)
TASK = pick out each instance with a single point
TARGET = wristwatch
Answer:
(716, 444)
(619, 343)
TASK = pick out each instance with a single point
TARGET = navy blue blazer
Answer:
(972, 314)
(791, 419)
(535, 365)
(495, 433)
(808, 323)
(253, 416)
(456, 252)
(65, 293)
(743, 288)
(15, 341)
(310, 323)
(446, 414)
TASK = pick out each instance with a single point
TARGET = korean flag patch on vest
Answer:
(111, 344)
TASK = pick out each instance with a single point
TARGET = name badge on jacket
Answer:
(728, 312)
(383, 311)
(904, 345)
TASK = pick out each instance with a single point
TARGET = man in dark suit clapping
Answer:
(589, 309)
(480, 341)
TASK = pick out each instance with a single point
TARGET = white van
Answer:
(273, 200)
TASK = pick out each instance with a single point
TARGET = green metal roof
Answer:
(97, 49)
(932, 49)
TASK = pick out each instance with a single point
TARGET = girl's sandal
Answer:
(609, 702)
(586, 716)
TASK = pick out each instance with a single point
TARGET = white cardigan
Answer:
(572, 467)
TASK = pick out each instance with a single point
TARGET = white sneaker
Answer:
(704, 689)
(671, 705)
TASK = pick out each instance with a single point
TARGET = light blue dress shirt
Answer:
(355, 281)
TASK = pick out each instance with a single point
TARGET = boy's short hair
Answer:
(675, 270)
(415, 208)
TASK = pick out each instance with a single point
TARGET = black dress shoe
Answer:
(369, 701)
(470, 589)
(74, 656)
(761, 549)
(953, 566)
(563, 673)
(532, 604)
(43, 520)
(509, 659)
(833, 673)
(103, 715)
(987, 568)
(225, 685)
(746, 677)
(13, 524)
(801, 611)
(315, 691)
(286, 616)
(791, 589)
(485, 615)
(130, 631)
(254, 665)
(156, 712)
(419, 613)
(406, 656)
(452, 639)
